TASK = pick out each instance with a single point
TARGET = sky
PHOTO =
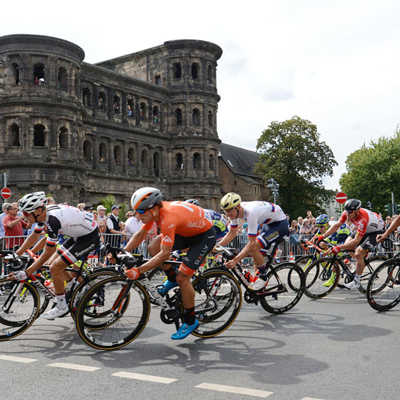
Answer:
(334, 63)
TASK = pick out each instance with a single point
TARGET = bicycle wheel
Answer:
(371, 263)
(118, 319)
(19, 307)
(322, 277)
(305, 261)
(284, 288)
(383, 289)
(218, 298)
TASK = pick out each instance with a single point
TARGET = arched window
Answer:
(156, 164)
(86, 97)
(63, 138)
(62, 79)
(143, 111)
(195, 71)
(178, 117)
(143, 159)
(39, 76)
(209, 74)
(156, 115)
(130, 108)
(117, 155)
(15, 71)
(39, 135)
(210, 119)
(196, 117)
(179, 161)
(102, 152)
(116, 104)
(102, 101)
(157, 79)
(211, 162)
(13, 139)
(87, 150)
(196, 161)
(177, 70)
(131, 157)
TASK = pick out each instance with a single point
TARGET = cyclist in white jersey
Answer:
(266, 224)
(79, 226)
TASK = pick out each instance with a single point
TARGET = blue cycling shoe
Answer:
(166, 287)
(185, 330)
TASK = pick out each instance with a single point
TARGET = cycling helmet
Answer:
(352, 205)
(193, 201)
(322, 220)
(145, 198)
(32, 201)
(230, 200)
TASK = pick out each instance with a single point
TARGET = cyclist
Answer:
(392, 227)
(259, 215)
(182, 226)
(368, 224)
(338, 237)
(83, 238)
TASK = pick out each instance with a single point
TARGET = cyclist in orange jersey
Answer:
(182, 226)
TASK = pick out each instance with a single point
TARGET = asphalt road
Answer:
(333, 349)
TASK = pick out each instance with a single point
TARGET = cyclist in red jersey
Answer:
(182, 226)
(368, 224)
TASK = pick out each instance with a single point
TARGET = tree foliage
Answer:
(373, 173)
(292, 154)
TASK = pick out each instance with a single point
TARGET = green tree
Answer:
(292, 154)
(108, 202)
(373, 173)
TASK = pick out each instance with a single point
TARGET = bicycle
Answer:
(285, 282)
(124, 313)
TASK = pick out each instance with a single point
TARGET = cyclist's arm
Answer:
(158, 259)
(28, 243)
(39, 245)
(233, 232)
(47, 253)
(332, 229)
(251, 246)
(352, 243)
(395, 224)
(136, 239)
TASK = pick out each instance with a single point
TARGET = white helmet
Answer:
(32, 201)
(146, 198)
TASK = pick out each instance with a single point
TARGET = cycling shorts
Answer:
(272, 232)
(198, 247)
(73, 250)
(368, 242)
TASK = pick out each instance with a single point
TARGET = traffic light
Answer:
(388, 209)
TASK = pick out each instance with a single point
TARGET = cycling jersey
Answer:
(66, 220)
(366, 221)
(258, 213)
(338, 237)
(219, 221)
(180, 218)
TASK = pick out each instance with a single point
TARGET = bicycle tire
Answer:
(383, 289)
(319, 281)
(218, 299)
(284, 289)
(372, 262)
(305, 261)
(19, 308)
(130, 307)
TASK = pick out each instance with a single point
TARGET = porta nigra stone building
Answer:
(83, 131)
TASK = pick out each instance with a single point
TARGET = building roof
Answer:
(239, 160)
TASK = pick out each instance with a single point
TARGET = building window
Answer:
(39, 136)
(117, 155)
(143, 111)
(116, 105)
(15, 72)
(196, 161)
(156, 164)
(86, 97)
(39, 77)
(210, 119)
(157, 79)
(179, 161)
(102, 152)
(177, 68)
(143, 159)
(178, 117)
(62, 79)
(130, 108)
(87, 150)
(14, 136)
(131, 157)
(102, 101)
(195, 71)
(209, 74)
(196, 117)
(63, 138)
(211, 162)
(156, 115)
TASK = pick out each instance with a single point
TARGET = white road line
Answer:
(234, 389)
(17, 359)
(142, 377)
(77, 367)
(310, 398)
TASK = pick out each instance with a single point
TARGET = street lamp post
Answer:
(273, 185)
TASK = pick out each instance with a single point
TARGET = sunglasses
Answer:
(141, 212)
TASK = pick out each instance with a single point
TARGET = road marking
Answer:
(142, 377)
(310, 398)
(234, 389)
(17, 359)
(77, 367)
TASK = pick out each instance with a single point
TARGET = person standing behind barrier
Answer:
(14, 226)
(2, 232)
(113, 227)
(101, 213)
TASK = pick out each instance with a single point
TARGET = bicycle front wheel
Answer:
(218, 298)
(117, 318)
(284, 288)
(322, 277)
(383, 289)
